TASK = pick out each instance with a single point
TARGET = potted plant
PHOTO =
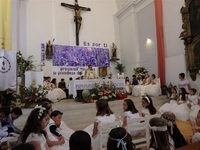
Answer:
(120, 68)
(24, 64)
(10, 98)
(29, 63)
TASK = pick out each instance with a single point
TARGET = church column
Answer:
(15, 25)
(160, 40)
(6, 24)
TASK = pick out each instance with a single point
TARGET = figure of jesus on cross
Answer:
(77, 17)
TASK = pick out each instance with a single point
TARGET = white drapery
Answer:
(7, 70)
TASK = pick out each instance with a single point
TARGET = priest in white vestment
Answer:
(90, 73)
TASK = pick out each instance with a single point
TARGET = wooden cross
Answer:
(77, 17)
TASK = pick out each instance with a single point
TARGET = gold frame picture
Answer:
(103, 71)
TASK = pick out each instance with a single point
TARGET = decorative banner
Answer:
(80, 56)
(65, 70)
(43, 54)
(7, 70)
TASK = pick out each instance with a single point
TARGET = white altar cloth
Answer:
(33, 76)
(89, 84)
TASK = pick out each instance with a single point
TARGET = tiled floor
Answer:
(79, 115)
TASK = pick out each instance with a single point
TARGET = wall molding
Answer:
(135, 5)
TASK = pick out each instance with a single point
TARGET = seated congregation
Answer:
(55, 93)
(143, 85)
(45, 130)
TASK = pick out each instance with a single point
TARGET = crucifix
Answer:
(77, 17)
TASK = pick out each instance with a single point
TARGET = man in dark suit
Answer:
(62, 85)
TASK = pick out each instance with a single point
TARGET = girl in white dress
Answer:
(153, 89)
(145, 84)
(192, 103)
(119, 139)
(160, 139)
(149, 109)
(174, 133)
(33, 130)
(58, 92)
(194, 110)
(169, 106)
(50, 95)
(128, 83)
(139, 90)
(130, 112)
(104, 115)
(184, 83)
(53, 142)
(181, 109)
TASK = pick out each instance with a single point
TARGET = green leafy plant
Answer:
(9, 97)
(24, 64)
(120, 67)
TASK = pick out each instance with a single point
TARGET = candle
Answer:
(122, 75)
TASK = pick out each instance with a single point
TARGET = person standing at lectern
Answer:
(90, 73)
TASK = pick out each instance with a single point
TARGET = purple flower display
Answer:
(80, 56)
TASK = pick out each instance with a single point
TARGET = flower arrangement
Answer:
(140, 71)
(34, 93)
(104, 90)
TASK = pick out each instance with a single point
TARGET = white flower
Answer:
(93, 95)
(104, 97)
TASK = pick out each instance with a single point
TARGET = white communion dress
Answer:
(130, 115)
(169, 106)
(181, 111)
(58, 92)
(39, 138)
(100, 120)
(193, 100)
(65, 131)
(153, 89)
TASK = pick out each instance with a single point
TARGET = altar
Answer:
(89, 84)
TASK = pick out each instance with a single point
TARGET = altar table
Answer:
(89, 84)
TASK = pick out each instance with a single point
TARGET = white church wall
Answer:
(147, 38)
(135, 28)
(174, 47)
(43, 20)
